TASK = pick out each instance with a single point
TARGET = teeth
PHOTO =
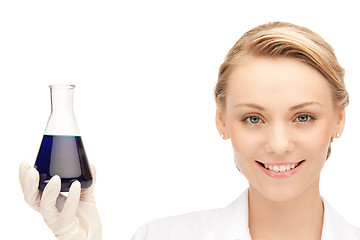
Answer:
(280, 168)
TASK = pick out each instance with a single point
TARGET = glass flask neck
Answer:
(62, 97)
(62, 119)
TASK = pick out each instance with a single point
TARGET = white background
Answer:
(145, 72)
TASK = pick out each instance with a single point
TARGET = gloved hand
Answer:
(70, 218)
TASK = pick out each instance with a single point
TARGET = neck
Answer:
(298, 218)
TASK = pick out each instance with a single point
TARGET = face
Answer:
(280, 117)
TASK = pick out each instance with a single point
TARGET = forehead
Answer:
(278, 81)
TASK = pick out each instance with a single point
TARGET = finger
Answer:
(72, 201)
(48, 200)
(29, 183)
(24, 167)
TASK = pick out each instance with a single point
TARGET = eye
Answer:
(304, 118)
(253, 119)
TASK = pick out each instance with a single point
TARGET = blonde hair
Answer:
(281, 39)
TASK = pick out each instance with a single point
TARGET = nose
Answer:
(279, 140)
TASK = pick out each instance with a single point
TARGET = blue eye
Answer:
(253, 119)
(303, 118)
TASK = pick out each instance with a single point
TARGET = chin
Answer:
(278, 193)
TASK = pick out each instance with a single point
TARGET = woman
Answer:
(281, 100)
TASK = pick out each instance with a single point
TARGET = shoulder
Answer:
(221, 223)
(336, 227)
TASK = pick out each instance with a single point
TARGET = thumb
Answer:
(29, 180)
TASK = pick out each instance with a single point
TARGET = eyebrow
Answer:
(251, 105)
(304, 105)
(296, 107)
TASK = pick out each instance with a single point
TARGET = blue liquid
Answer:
(63, 156)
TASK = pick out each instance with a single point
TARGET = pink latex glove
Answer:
(72, 217)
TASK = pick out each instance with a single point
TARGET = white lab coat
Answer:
(231, 223)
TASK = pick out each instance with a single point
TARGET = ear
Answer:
(340, 124)
(221, 123)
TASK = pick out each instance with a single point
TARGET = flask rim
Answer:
(62, 86)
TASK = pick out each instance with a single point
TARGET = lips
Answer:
(280, 167)
(280, 170)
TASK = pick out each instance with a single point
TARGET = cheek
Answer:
(242, 141)
(246, 146)
(314, 142)
(317, 141)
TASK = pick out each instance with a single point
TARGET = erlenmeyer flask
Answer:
(62, 152)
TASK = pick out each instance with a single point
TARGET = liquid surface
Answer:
(63, 156)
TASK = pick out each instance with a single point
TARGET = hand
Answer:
(72, 217)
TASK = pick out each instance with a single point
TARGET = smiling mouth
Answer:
(280, 167)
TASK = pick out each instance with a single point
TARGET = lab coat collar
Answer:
(231, 223)
(329, 223)
(334, 226)
(238, 224)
